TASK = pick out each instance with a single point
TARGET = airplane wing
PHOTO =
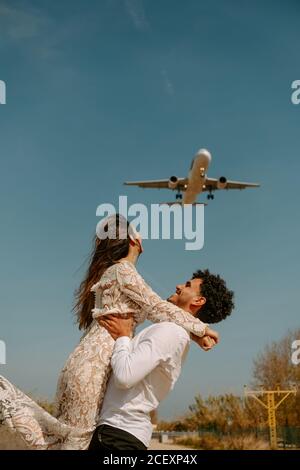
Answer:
(158, 184)
(212, 184)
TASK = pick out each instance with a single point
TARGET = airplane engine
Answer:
(222, 183)
(173, 181)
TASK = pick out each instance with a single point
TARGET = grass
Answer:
(211, 442)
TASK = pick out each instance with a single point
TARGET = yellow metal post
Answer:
(271, 407)
(272, 419)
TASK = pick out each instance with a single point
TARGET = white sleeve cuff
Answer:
(122, 341)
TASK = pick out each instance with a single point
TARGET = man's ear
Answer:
(199, 301)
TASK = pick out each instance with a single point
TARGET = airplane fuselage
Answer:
(197, 176)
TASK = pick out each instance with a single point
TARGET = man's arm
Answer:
(132, 366)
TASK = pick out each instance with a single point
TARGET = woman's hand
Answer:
(208, 341)
(116, 325)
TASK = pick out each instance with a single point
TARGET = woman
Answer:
(111, 285)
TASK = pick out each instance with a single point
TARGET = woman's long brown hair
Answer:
(105, 253)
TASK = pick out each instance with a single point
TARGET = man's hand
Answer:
(208, 341)
(116, 325)
(212, 334)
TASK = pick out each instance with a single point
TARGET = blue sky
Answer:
(103, 92)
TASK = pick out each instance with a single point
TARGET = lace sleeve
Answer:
(156, 309)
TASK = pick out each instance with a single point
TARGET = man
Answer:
(146, 367)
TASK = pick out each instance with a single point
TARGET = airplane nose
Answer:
(205, 154)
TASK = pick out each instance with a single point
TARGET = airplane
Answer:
(196, 182)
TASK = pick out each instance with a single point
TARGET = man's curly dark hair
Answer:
(219, 299)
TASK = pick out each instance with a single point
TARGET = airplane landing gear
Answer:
(178, 196)
(210, 196)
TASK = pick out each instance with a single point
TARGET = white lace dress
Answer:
(82, 382)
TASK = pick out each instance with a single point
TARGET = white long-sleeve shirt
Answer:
(145, 369)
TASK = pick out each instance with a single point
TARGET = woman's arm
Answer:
(156, 309)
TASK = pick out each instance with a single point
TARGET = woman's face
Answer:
(135, 237)
(139, 241)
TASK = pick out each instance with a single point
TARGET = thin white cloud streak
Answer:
(168, 85)
(135, 9)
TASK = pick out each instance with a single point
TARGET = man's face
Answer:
(188, 295)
